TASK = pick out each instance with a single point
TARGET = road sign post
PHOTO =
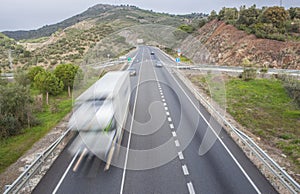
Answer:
(177, 61)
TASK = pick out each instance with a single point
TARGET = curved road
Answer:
(164, 131)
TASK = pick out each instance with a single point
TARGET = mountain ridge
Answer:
(47, 30)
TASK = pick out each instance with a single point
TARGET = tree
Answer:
(48, 83)
(248, 16)
(275, 15)
(67, 73)
(228, 14)
(33, 71)
(294, 12)
(213, 15)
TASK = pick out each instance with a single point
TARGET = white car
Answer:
(132, 71)
(158, 64)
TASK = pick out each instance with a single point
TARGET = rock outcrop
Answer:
(223, 44)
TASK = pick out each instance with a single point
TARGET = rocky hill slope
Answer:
(224, 44)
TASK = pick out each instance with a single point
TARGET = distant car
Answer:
(132, 71)
(158, 64)
(152, 53)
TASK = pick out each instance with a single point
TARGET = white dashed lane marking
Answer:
(177, 144)
(180, 155)
(185, 170)
(174, 134)
(191, 188)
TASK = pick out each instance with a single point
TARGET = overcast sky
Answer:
(32, 14)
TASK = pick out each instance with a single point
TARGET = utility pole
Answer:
(10, 59)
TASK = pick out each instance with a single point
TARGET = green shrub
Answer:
(249, 74)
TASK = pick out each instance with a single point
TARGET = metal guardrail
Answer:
(254, 150)
(24, 178)
(100, 65)
(233, 69)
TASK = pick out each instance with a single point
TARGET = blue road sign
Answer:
(177, 60)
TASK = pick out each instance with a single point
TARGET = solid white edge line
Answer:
(131, 125)
(174, 134)
(177, 144)
(191, 188)
(234, 159)
(185, 170)
(180, 155)
(66, 172)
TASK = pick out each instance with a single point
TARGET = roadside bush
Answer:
(22, 78)
(292, 87)
(15, 109)
(9, 126)
(187, 28)
(249, 74)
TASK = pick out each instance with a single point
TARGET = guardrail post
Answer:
(6, 187)
(25, 168)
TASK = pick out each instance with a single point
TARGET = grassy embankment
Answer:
(14, 147)
(263, 107)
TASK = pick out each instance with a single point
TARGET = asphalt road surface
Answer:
(159, 152)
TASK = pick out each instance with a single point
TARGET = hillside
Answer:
(106, 13)
(10, 48)
(104, 32)
(47, 30)
(224, 44)
(98, 34)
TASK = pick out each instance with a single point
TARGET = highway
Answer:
(159, 152)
